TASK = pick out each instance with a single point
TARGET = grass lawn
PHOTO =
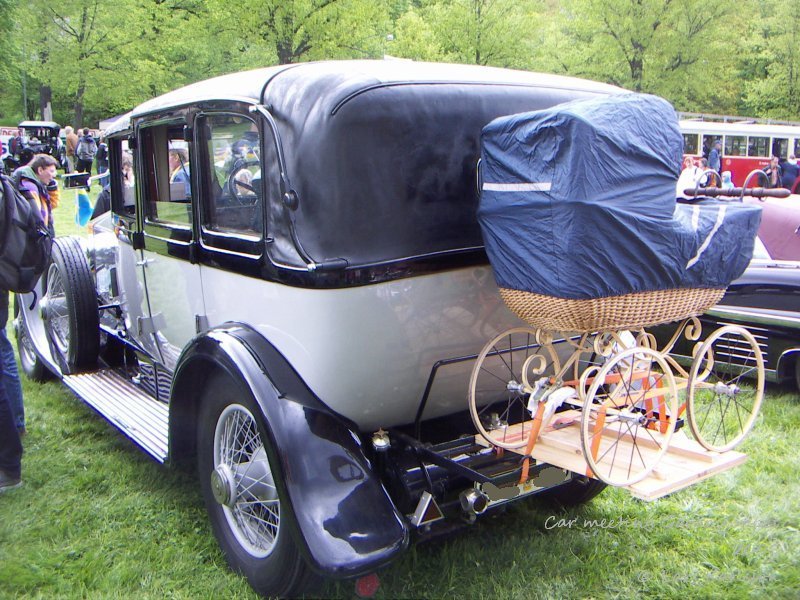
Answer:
(97, 519)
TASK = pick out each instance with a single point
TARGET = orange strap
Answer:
(535, 428)
(599, 424)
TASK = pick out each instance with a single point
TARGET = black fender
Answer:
(339, 512)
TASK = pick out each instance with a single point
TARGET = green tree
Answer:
(484, 32)
(97, 58)
(680, 49)
(414, 38)
(290, 31)
(11, 82)
(771, 62)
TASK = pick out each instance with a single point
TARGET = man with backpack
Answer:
(26, 228)
(85, 152)
(36, 181)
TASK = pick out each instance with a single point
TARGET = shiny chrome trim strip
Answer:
(763, 316)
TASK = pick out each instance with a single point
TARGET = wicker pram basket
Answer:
(627, 311)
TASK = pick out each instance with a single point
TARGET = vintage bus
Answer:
(746, 144)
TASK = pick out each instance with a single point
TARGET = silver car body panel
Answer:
(367, 352)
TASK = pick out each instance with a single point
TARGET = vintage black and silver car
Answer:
(290, 298)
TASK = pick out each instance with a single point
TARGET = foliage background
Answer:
(85, 60)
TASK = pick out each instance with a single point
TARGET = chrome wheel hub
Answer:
(223, 486)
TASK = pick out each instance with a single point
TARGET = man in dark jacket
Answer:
(790, 170)
(86, 150)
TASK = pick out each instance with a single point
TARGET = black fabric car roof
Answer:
(382, 154)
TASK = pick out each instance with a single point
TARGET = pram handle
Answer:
(756, 192)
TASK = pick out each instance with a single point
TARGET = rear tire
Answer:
(71, 320)
(797, 372)
(242, 500)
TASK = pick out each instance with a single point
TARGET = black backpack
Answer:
(25, 242)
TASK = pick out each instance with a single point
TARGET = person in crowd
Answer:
(101, 157)
(37, 182)
(790, 172)
(179, 169)
(773, 172)
(16, 144)
(727, 182)
(85, 151)
(72, 144)
(715, 156)
(689, 177)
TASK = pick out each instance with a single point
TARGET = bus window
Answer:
(796, 147)
(735, 145)
(708, 143)
(757, 146)
(690, 143)
(780, 147)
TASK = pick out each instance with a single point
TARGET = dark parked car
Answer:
(39, 137)
(765, 300)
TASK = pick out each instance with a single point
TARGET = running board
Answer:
(138, 415)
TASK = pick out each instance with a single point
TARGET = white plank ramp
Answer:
(685, 463)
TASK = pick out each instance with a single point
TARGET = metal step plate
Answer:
(138, 415)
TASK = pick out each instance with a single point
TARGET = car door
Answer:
(231, 229)
(167, 264)
(117, 270)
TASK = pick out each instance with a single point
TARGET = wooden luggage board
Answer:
(685, 463)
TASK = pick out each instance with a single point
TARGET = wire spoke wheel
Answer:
(242, 481)
(725, 388)
(498, 398)
(629, 416)
(57, 313)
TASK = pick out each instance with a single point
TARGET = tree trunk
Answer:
(24, 94)
(79, 106)
(285, 52)
(46, 102)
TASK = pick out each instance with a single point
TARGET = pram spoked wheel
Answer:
(498, 394)
(725, 388)
(629, 416)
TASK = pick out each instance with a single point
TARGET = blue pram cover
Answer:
(578, 201)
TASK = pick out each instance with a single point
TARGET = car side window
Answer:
(122, 179)
(232, 174)
(167, 187)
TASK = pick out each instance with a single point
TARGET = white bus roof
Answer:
(710, 127)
